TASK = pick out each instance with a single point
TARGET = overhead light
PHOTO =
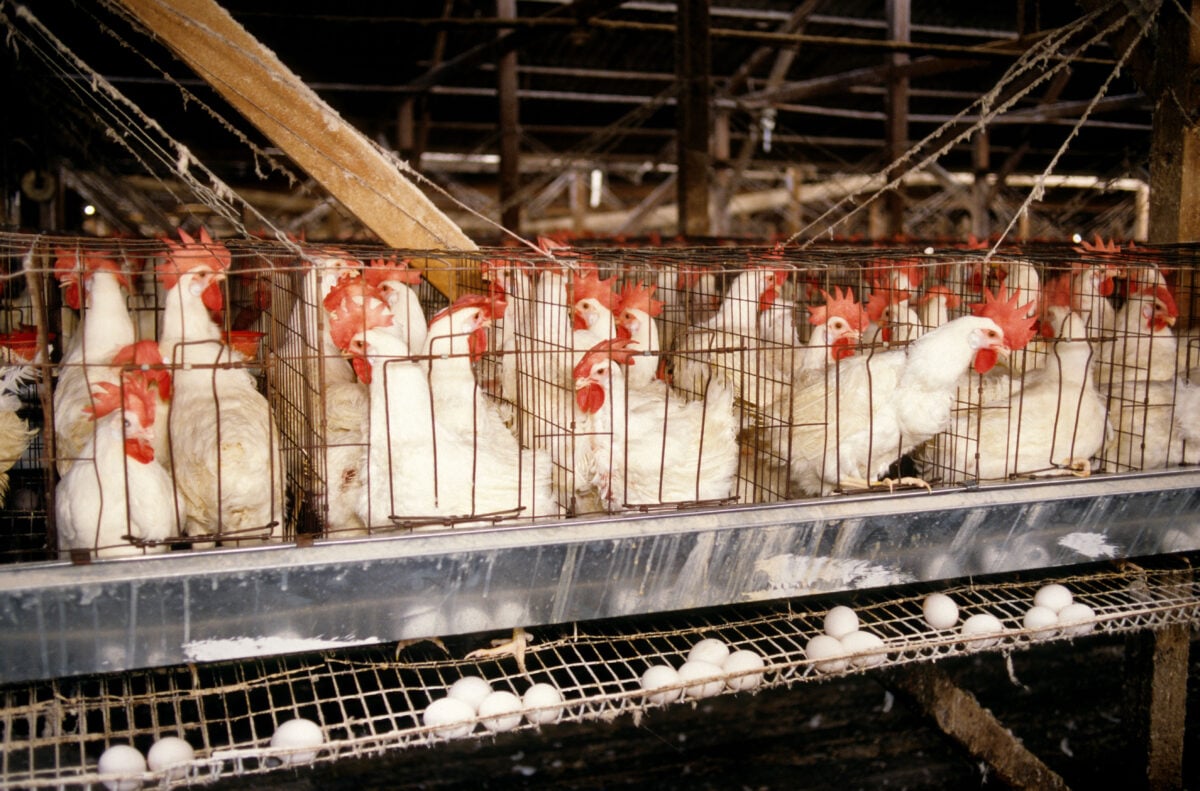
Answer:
(596, 185)
(89, 210)
(1076, 238)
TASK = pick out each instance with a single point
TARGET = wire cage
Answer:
(336, 392)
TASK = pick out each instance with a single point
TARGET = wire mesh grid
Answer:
(728, 374)
(368, 701)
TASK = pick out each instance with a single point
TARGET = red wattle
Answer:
(887, 334)
(1106, 287)
(362, 368)
(71, 295)
(477, 343)
(139, 450)
(767, 299)
(579, 322)
(212, 297)
(842, 348)
(623, 333)
(984, 360)
(590, 397)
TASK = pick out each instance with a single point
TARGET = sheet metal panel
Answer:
(60, 620)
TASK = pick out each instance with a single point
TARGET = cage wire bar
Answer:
(368, 701)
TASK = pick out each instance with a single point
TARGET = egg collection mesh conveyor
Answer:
(370, 700)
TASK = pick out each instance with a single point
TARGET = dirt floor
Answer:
(1063, 701)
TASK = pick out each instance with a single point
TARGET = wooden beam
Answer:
(960, 717)
(692, 66)
(1156, 669)
(312, 134)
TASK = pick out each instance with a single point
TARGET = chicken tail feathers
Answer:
(11, 381)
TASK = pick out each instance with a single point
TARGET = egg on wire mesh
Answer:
(981, 624)
(827, 653)
(865, 648)
(840, 621)
(1040, 620)
(1053, 596)
(710, 676)
(744, 669)
(940, 611)
(451, 718)
(294, 734)
(470, 690)
(122, 759)
(169, 752)
(658, 680)
(542, 703)
(500, 711)
(1076, 619)
(710, 650)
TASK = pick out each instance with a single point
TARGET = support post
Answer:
(692, 76)
(510, 132)
(899, 29)
(1156, 666)
(1175, 142)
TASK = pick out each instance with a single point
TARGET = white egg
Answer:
(867, 646)
(695, 670)
(839, 621)
(824, 647)
(169, 751)
(940, 611)
(710, 650)
(981, 624)
(658, 677)
(743, 662)
(470, 690)
(121, 759)
(450, 717)
(1053, 597)
(298, 733)
(1077, 619)
(500, 711)
(537, 700)
(1041, 619)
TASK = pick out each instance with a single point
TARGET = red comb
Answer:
(489, 304)
(1013, 319)
(137, 399)
(612, 349)
(380, 271)
(637, 296)
(147, 361)
(355, 310)
(350, 284)
(839, 304)
(588, 284)
(192, 255)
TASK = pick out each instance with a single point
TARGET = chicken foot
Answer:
(515, 647)
(862, 484)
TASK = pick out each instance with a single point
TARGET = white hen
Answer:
(117, 500)
(224, 446)
(639, 448)
(417, 471)
(97, 287)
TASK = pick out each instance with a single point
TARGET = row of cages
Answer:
(179, 394)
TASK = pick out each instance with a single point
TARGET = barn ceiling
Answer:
(802, 90)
